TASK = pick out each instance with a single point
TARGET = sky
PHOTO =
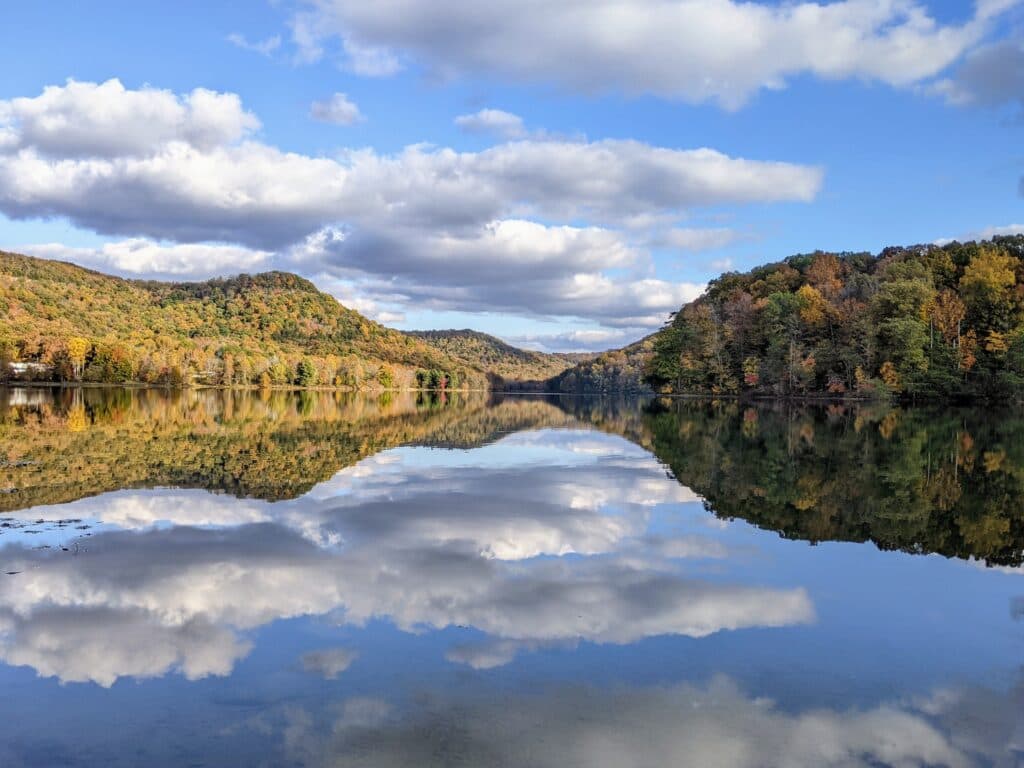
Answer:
(560, 173)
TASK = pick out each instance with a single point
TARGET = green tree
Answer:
(305, 373)
(386, 377)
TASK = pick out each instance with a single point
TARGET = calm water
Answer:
(317, 580)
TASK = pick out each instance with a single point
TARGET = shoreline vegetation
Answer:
(525, 389)
(920, 323)
(21, 384)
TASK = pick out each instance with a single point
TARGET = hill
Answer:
(618, 370)
(491, 354)
(925, 321)
(270, 329)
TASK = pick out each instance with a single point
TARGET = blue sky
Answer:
(568, 207)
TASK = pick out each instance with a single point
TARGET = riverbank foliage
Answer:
(920, 322)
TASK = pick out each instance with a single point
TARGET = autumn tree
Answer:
(77, 349)
(986, 289)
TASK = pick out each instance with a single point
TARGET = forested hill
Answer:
(491, 354)
(268, 329)
(615, 371)
(923, 321)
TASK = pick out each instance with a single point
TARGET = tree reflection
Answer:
(916, 480)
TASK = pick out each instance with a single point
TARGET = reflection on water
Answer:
(327, 580)
(950, 482)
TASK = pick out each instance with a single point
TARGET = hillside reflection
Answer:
(67, 444)
(919, 481)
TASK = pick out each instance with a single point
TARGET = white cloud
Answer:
(692, 50)
(85, 122)
(1010, 229)
(337, 110)
(426, 227)
(984, 234)
(140, 511)
(263, 47)
(509, 266)
(145, 258)
(493, 121)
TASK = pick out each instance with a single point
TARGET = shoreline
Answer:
(200, 387)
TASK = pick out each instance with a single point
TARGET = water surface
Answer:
(209, 579)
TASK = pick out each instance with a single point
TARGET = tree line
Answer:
(926, 321)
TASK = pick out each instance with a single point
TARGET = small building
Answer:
(29, 370)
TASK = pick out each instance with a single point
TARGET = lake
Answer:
(317, 579)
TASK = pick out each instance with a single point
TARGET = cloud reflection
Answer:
(533, 541)
(717, 724)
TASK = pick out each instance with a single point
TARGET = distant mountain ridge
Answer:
(617, 371)
(491, 354)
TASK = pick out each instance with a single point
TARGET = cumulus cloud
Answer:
(370, 61)
(493, 121)
(263, 47)
(337, 110)
(1010, 229)
(130, 510)
(425, 226)
(190, 593)
(692, 50)
(145, 258)
(88, 122)
(511, 266)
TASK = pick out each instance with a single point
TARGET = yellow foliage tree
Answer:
(77, 349)
(890, 376)
(813, 307)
